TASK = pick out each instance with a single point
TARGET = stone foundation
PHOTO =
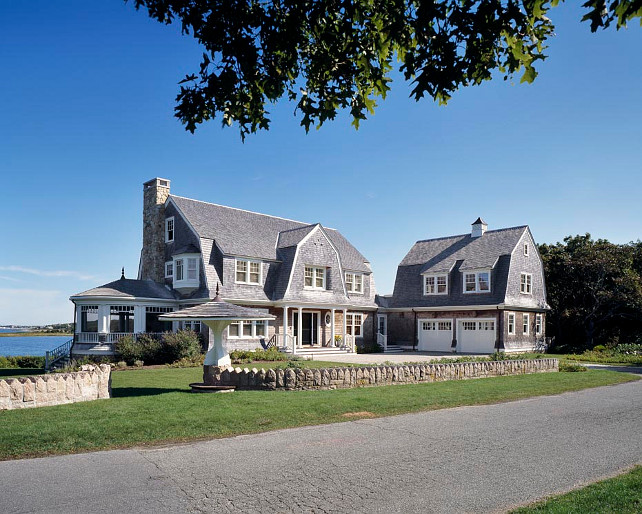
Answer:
(343, 378)
(91, 383)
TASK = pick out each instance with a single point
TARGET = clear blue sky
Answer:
(86, 115)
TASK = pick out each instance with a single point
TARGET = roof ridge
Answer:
(464, 235)
(298, 228)
(243, 210)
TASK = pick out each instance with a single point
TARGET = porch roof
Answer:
(129, 288)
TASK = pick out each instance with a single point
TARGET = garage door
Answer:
(435, 336)
(476, 336)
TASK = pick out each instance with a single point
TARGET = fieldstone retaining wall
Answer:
(91, 383)
(342, 378)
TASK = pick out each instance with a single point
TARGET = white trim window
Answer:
(179, 271)
(354, 324)
(247, 330)
(525, 249)
(314, 277)
(469, 325)
(194, 326)
(526, 283)
(538, 324)
(435, 284)
(169, 230)
(354, 282)
(477, 282)
(248, 272)
(511, 323)
(192, 268)
(169, 269)
(526, 328)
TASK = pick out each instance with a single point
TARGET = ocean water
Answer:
(28, 345)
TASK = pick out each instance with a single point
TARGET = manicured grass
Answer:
(622, 495)
(301, 363)
(155, 406)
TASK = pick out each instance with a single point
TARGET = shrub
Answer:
(600, 348)
(22, 361)
(139, 364)
(271, 354)
(370, 348)
(143, 348)
(188, 362)
(181, 345)
(569, 367)
(629, 349)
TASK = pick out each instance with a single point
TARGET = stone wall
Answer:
(91, 383)
(343, 378)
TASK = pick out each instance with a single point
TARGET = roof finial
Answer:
(217, 298)
(122, 273)
(217, 284)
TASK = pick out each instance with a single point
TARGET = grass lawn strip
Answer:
(156, 407)
(622, 494)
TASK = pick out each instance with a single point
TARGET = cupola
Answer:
(479, 227)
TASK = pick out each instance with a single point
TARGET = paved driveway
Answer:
(381, 358)
(469, 459)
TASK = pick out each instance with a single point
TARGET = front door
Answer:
(309, 327)
(382, 328)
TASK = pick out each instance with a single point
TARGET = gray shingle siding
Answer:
(526, 264)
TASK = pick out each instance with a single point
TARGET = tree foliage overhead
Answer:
(330, 55)
(595, 291)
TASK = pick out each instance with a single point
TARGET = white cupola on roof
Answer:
(479, 227)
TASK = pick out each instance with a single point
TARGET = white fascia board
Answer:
(527, 309)
(131, 299)
(445, 308)
(294, 304)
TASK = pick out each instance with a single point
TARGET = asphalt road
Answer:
(469, 459)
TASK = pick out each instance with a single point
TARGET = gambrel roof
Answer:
(250, 234)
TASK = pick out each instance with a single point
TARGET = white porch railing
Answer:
(110, 338)
(286, 343)
(348, 342)
(87, 337)
(382, 340)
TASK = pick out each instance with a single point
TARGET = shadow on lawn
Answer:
(20, 372)
(125, 392)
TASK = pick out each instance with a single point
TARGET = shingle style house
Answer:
(474, 292)
(316, 283)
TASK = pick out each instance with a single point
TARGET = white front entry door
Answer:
(435, 335)
(476, 335)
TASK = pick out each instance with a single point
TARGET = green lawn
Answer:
(155, 406)
(602, 358)
(622, 495)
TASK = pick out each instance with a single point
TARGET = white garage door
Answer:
(435, 336)
(476, 336)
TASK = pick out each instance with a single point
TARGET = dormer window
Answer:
(526, 249)
(435, 284)
(314, 277)
(185, 271)
(354, 282)
(477, 282)
(526, 283)
(169, 230)
(248, 272)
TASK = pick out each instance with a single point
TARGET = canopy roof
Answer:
(217, 309)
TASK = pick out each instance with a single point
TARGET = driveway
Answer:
(381, 358)
(468, 459)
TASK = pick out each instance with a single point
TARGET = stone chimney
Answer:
(479, 227)
(152, 258)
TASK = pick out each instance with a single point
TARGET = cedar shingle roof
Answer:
(130, 288)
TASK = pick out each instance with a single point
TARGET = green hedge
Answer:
(22, 361)
(166, 349)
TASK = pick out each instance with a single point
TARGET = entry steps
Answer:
(319, 351)
(394, 348)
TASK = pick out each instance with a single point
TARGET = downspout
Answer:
(73, 341)
(499, 341)
(414, 339)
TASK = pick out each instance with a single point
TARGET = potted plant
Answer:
(337, 340)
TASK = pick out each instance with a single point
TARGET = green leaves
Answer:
(341, 52)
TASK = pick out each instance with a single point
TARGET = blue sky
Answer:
(86, 116)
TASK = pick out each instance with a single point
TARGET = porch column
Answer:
(345, 329)
(285, 326)
(332, 343)
(299, 328)
(140, 322)
(103, 319)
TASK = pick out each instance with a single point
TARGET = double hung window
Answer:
(169, 230)
(526, 283)
(435, 284)
(314, 277)
(248, 272)
(477, 282)
(354, 324)
(354, 282)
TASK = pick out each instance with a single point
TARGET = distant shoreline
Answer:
(33, 334)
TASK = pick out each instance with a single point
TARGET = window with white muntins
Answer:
(477, 282)
(527, 324)
(169, 269)
(526, 283)
(354, 324)
(247, 329)
(248, 272)
(538, 324)
(169, 230)
(511, 324)
(526, 249)
(435, 284)
(179, 270)
(354, 282)
(314, 277)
